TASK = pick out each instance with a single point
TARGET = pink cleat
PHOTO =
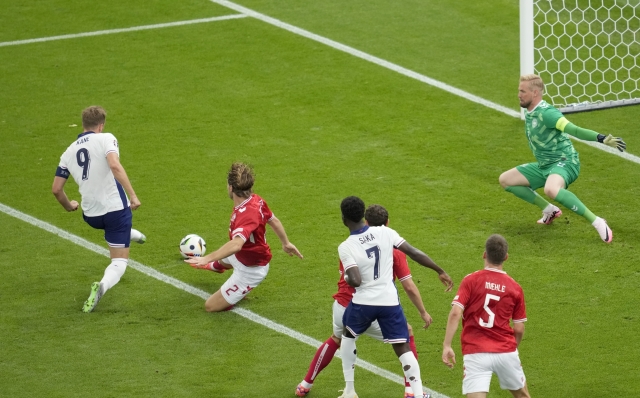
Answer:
(606, 234)
(301, 391)
(549, 214)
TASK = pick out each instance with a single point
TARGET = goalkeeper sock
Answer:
(571, 201)
(528, 195)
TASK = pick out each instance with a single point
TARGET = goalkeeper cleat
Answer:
(349, 395)
(603, 229)
(549, 215)
(301, 391)
(94, 297)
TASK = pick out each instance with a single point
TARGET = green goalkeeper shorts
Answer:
(537, 176)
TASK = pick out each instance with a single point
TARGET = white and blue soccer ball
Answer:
(192, 245)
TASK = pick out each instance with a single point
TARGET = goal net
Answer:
(586, 51)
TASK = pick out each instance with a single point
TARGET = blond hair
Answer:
(93, 116)
(241, 178)
(535, 82)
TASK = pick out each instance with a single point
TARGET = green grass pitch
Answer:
(318, 125)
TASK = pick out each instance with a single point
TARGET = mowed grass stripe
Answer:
(402, 70)
(200, 293)
(122, 30)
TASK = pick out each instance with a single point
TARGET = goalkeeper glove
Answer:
(614, 142)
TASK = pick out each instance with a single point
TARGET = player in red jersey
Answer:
(487, 300)
(247, 251)
(375, 215)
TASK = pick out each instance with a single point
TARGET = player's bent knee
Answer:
(504, 180)
(216, 303)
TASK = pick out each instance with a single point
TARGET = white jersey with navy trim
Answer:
(371, 250)
(86, 161)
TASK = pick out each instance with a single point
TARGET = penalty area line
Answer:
(197, 292)
(122, 30)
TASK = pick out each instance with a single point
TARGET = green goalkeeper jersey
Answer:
(548, 144)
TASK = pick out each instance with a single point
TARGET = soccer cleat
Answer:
(549, 216)
(350, 395)
(410, 395)
(301, 391)
(94, 297)
(606, 234)
(142, 239)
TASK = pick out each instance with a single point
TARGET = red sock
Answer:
(412, 345)
(215, 266)
(323, 357)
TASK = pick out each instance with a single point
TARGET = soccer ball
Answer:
(192, 245)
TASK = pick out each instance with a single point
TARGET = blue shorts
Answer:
(358, 317)
(116, 225)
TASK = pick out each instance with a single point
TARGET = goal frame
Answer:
(527, 62)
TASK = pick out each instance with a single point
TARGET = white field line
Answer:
(112, 31)
(245, 12)
(197, 292)
(399, 69)
(367, 57)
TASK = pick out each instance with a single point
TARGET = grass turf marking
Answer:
(402, 70)
(122, 30)
(198, 292)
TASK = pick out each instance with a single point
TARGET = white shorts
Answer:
(478, 369)
(338, 311)
(242, 281)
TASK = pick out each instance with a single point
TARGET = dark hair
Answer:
(376, 215)
(93, 116)
(241, 179)
(497, 249)
(352, 208)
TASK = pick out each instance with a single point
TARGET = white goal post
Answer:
(586, 51)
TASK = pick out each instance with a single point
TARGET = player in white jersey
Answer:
(367, 256)
(93, 161)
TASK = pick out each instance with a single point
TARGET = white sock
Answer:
(411, 370)
(348, 354)
(113, 273)
(135, 235)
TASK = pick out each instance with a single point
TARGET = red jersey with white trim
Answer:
(401, 271)
(248, 221)
(489, 299)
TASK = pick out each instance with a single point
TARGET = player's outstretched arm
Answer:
(448, 355)
(287, 246)
(416, 299)
(589, 135)
(231, 247)
(421, 258)
(121, 175)
(58, 191)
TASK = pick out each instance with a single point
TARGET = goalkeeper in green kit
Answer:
(558, 164)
